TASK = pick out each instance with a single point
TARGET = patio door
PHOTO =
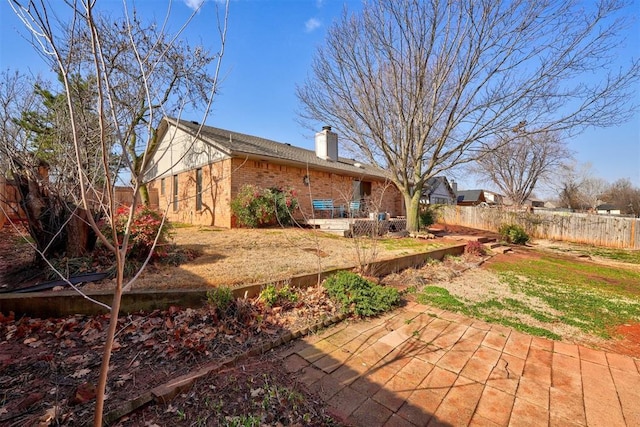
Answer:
(361, 196)
(361, 190)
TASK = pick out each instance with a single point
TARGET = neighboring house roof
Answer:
(237, 144)
(606, 207)
(434, 182)
(529, 202)
(470, 196)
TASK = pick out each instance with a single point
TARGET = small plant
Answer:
(259, 207)
(220, 299)
(272, 295)
(475, 248)
(360, 296)
(513, 233)
(409, 290)
(427, 216)
(441, 298)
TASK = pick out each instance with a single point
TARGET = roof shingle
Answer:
(242, 145)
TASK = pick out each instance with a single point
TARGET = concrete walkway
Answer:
(422, 366)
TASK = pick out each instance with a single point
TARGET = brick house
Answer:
(197, 170)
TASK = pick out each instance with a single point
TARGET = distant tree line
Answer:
(580, 190)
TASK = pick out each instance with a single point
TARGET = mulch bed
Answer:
(49, 367)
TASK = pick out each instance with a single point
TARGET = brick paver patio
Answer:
(420, 366)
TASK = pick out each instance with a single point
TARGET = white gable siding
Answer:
(179, 152)
(440, 195)
(490, 197)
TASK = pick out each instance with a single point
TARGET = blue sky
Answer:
(270, 47)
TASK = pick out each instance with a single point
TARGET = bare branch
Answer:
(418, 87)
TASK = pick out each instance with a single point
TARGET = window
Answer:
(198, 189)
(440, 200)
(162, 186)
(175, 193)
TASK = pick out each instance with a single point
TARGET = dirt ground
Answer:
(232, 257)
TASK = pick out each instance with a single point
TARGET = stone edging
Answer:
(166, 392)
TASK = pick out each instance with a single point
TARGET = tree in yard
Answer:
(568, 184)
(16, 96)
(140, 71)
(418, 87)
(50, 136)
(517, 162)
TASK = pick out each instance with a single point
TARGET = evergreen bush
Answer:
(259, 207)
(514, 233)
(360, 296)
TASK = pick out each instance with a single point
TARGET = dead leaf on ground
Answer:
(81, 373)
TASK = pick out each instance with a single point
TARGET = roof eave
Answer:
(303, 165)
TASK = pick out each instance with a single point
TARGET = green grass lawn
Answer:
(622, 255)
(590, 297)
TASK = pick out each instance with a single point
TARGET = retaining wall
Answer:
(63, 303)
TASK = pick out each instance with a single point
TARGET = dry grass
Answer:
(241, 256)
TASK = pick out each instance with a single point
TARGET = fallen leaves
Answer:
(80, 373)
(84, 393)
(29, 401)
(55, 362)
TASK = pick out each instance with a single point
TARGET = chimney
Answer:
(454, 187)
(327, 144)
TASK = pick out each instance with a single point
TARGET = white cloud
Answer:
(312, 24)
(193, 4)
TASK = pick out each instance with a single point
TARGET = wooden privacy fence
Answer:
(592, 229)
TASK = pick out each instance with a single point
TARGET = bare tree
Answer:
(625, 196)
(592, 190)
(517, 162)
(83, 48)
(570, 177)
(578, 188)
(418, 87)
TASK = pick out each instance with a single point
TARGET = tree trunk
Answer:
(412, 205)
(80, 238)
(47, 213)
(144, 195)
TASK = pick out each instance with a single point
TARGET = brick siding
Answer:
(231, 175)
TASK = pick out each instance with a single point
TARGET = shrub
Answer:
(273, 295)
(474, 248)
(428, 215)
(360, 296)
(258, 207)
(220, 299)
(513, 233)
(146, 225)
